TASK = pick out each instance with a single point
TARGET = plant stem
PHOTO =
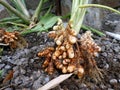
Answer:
(23, 8)
(17, 13)
(77, 14)
(37, 11)
(93, 30)
(99, 6)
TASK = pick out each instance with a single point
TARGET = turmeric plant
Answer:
(70, 54)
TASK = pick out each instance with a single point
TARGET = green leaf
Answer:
(1, 51)
(93, 30)
(1, 71)
(45, 23)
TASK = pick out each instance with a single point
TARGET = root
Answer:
(13, 39)
(71, 55)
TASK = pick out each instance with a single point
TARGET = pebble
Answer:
(1, 66)
(37, 83)
(106, 66)
(78, 36)
(117, 49)
(7, 67)
(34, 48)
(22, 61)
(115, 60)
(83, 85)
(118, 56)
(110, 89)
(102, 86)
(22, 71)
(27, 51)
(31, 60)
(8, 89)
(32, 77)
(4, 57)
(103, 48)
(104, 54)
(113, 81)
(46, 79)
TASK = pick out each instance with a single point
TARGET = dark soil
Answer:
(29, 75)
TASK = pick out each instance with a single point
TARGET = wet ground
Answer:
(29, 75)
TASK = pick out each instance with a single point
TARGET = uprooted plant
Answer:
(70, 54)
(12, 39)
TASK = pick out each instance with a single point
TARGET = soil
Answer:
(29, 75)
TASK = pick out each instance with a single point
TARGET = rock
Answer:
(111, 23)
(65, 6)
(110, 89)
(106, 66)
(8, 89)
(37, 83)
(113, 81)
(118, 56)
(7, 67)
(3, 12)
(103, 86)
(1, 66)
(36, 75)
(117, 49)
(46, 79)
(104, 54)
(103, 48)
(31, 4)
(115, 60)
(22, 61)
(110, 3)
(22, 71)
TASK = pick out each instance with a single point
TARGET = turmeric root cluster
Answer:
(70, 54)
(13, 39)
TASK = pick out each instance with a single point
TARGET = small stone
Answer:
(78, 36)
(8, 89)
(114, 40)
(7, 67)
(47, 78)
(31, 60)
(22, 71)
(83, 85)
(106, 66)
(113, 81)
(103, 48)
(118, 56)
(34, 48)
(27, 51)
(117, 49)
(103, 86)
(1, 66)
(104, 54)
(110, 89)
(4, 58)
(115, 60)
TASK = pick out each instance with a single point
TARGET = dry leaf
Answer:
(8, 77)
(53, 83)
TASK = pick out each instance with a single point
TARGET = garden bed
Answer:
(29, 74)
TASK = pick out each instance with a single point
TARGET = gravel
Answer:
(29, 75)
